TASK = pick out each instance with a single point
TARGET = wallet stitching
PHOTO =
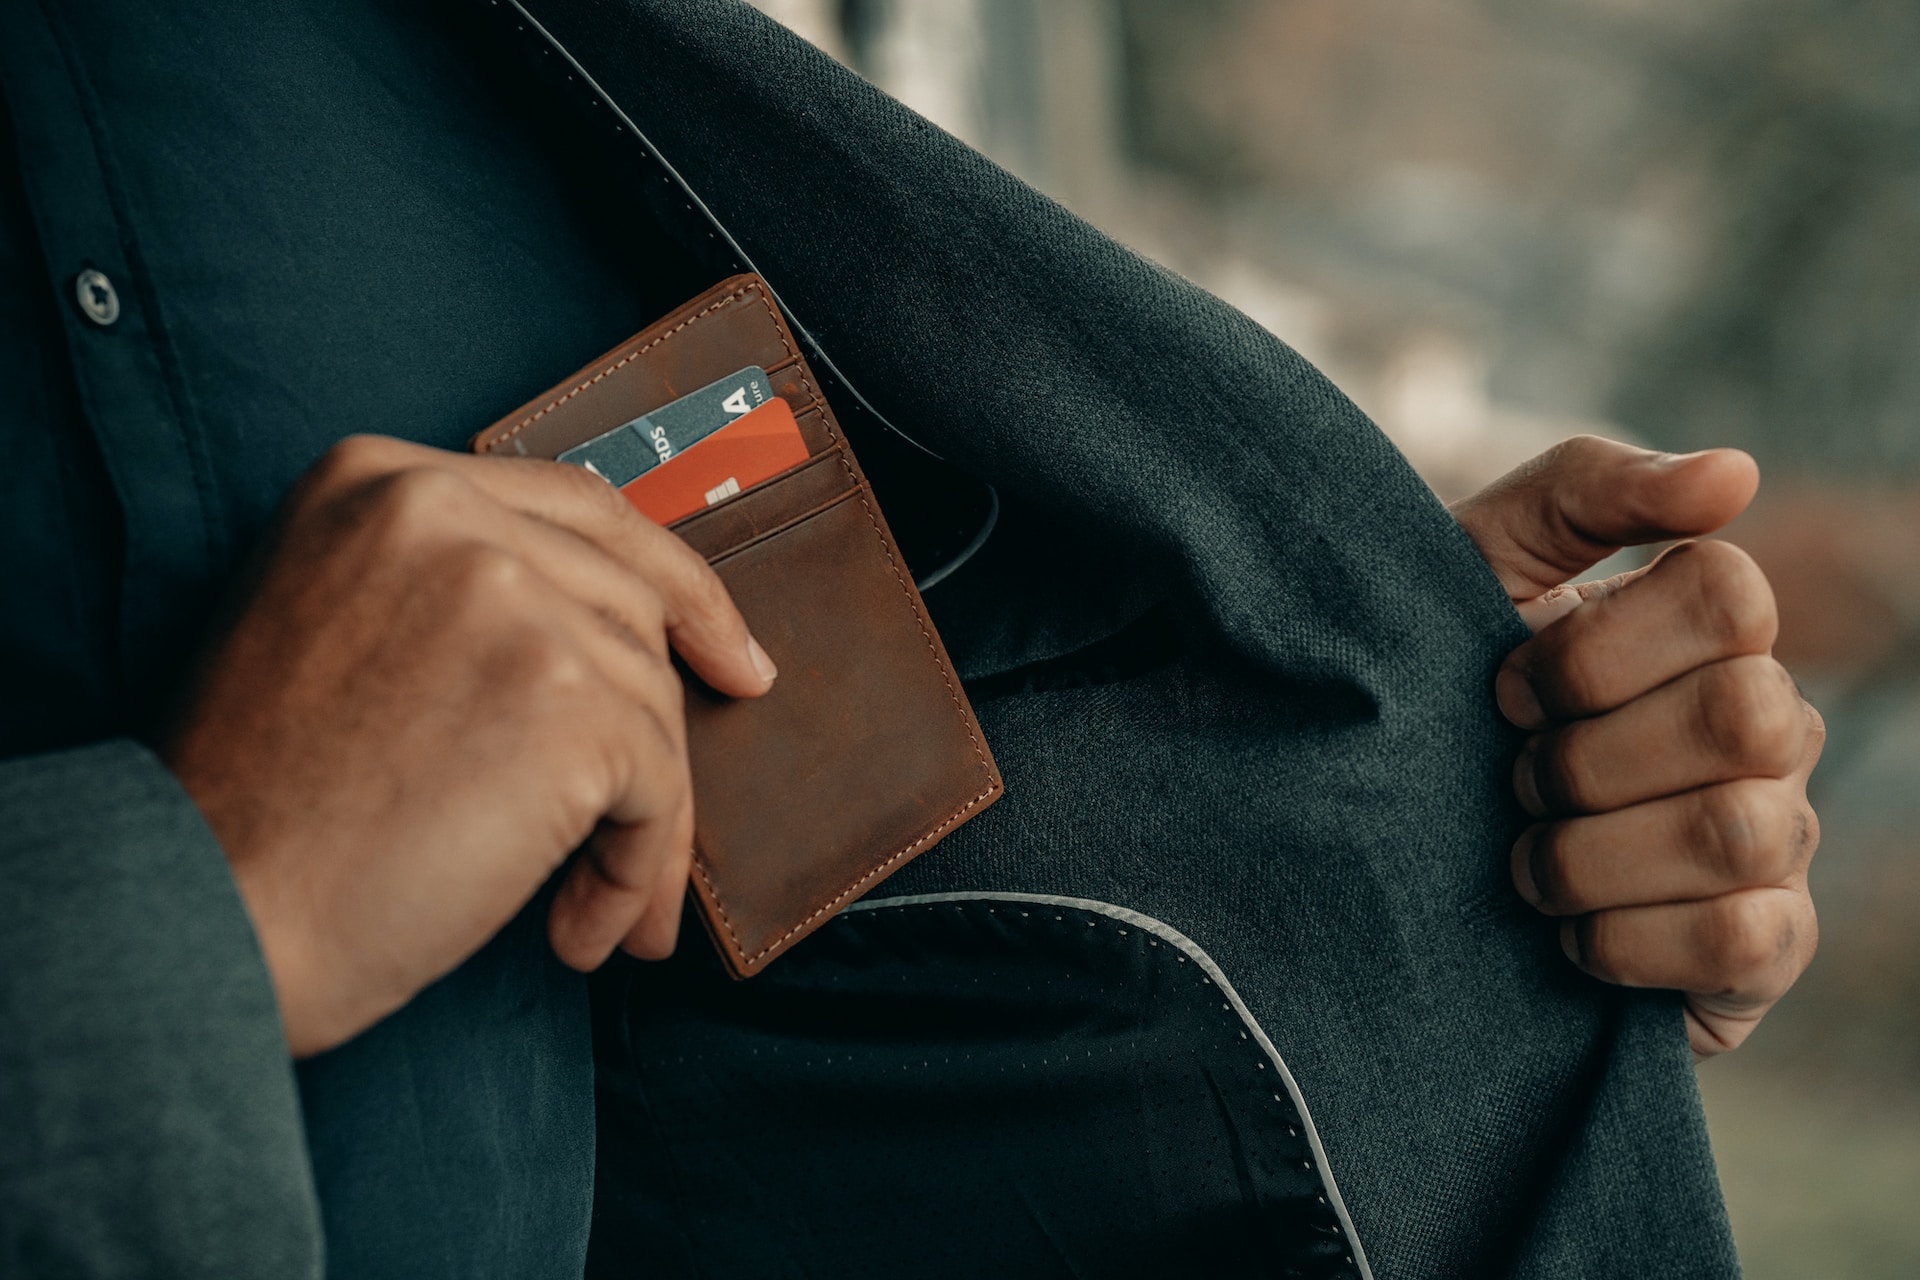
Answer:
(713, 891)
(920, 620)
(621, 363)
(893, 562)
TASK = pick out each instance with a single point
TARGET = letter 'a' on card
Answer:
(738, 456)
(658, 437)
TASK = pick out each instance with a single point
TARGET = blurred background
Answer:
(1497, 223)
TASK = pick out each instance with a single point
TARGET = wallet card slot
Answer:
(792, 384)
(768, 506)
(781, 528)
(790, 380)
(814, 430)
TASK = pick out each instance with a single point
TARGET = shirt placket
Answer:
(127, 391)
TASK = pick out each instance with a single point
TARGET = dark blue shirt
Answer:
(316, 219)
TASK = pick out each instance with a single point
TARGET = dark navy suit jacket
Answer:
(1233, 657)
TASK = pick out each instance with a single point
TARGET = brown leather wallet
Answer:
(866, 752)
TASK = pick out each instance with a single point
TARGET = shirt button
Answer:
(98, 299)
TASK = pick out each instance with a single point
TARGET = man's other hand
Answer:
(450, 672)
(1670, 753)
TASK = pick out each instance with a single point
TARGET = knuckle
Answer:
(540, 676)
(1734, 601)
(1815, 733)
(408, 504)
(482, 577)
(1747, 937)
(550, 668)
(1582, 451)
(1750, 715)
(343, 471)
(589, 488)
(1806, 834)
(352, 460)
(1740, 836)
(579, 795)
(1786, 711)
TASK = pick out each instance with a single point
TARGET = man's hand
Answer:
(1670, 754)
(450, 672)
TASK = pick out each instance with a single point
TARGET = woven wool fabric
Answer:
(1316, 793)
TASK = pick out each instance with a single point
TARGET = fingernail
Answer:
(1523, 867)
(1517, 700)
(761, 662)
(1676, 459)
(1543, 611)
(1526, 784)
(1570, 940)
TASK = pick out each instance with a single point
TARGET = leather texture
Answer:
(866, 752)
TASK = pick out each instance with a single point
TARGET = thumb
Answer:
(1584, 499)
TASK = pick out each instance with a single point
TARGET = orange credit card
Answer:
(736, 457)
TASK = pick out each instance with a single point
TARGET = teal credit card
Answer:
(634, 448)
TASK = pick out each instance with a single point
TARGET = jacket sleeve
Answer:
(149, 1122)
